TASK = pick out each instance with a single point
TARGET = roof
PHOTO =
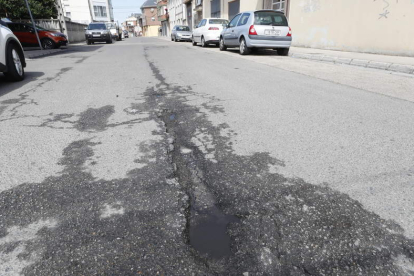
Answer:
(149, 4)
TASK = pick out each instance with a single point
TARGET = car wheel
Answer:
(48, 44)
(14, 61)
(222, 45)
(110, 40)
(283, 52)
(172, 39)
(203, 42)
(88, 42)
(244, 50)
(193, 42)
(175, 39)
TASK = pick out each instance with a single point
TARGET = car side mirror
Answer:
(85, 29)
(225, 26)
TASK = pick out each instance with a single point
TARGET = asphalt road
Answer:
(149, 157)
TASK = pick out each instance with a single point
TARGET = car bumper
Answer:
(269, 42)
(184, 38)
(213, 37)
(96, 38)
(61, 41)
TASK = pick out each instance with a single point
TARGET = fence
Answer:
(75, 31)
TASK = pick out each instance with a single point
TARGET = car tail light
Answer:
(290, 32)
(252, 30)
(213, 29)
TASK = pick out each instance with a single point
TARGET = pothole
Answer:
(206, 224)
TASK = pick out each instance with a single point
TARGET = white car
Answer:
(12, 60)
(208, 31)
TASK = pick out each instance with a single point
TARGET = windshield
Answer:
(183, 29)
(110, 26)
(270, 18)
(97, 27)
(218, 21)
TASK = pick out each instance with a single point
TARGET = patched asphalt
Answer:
(188, 203)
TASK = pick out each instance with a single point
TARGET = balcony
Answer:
(163, 17)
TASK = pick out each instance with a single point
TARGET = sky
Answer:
(124, 8)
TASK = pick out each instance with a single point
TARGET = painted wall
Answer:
(150, 31)
(372, 26)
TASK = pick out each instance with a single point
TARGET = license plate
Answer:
(272, 32)
(96, 35)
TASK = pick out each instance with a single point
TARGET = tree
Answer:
(16, 9)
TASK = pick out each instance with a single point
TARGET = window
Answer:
(270, 18)
(183, 29)
(218, 21)
(68, 14)
(100, 11)
(215, 9)
(202, 23)
(97, 26)
(233, 22)
(244, 19)
(278, 5)
(152, 18)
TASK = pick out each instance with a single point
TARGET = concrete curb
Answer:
(401, 68)
(41, 53)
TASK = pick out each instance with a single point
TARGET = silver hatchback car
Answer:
(266, 29)
(181, 33)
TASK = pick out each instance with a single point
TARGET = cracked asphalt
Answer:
(148, 157)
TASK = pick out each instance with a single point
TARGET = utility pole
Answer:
(61, 18)
(34, 25)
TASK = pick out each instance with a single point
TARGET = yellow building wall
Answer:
(372, 26)
(151, 30)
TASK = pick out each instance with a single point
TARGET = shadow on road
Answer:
(8, 86)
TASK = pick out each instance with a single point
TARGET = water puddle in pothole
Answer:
(208, 232)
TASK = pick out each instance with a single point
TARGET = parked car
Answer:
(115, 30)
(98, 32)
(181, 33)
(266, 29)
(126, 34)
(208, 31)
(27, 36)
(12, 60)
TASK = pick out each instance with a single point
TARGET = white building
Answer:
(87, 11)
(176, 11)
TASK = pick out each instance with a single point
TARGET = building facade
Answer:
(150, 23)
(87, 11)
(176, 12)
(353, 25)
(163, 16)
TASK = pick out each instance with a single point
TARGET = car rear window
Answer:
(97, 27)
(218, 21)
(270, 18)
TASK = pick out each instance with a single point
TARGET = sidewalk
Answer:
(383, 62)
(35, 52)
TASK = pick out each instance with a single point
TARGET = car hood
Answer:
(184, 33)
(96, 31)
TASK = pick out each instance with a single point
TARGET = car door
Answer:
(196, 32)
(241, 27)
(230, 38)
(201, 29)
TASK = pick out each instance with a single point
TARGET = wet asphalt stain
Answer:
(94, 119)
(288, 226)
